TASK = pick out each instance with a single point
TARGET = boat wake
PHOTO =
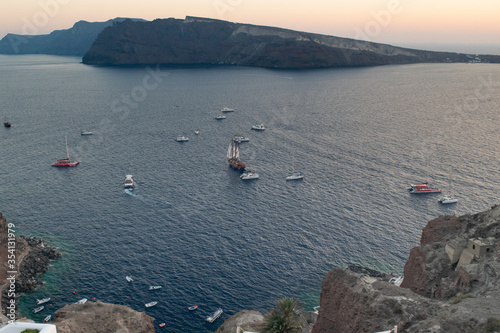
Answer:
(146, 201)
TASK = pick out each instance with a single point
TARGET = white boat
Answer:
(86, 133)
(396, 280)
(182, 138)
(154, 287)
(259, 127)
(447, 200)
(129, 181)
(129, 278)
(249, 175)
(226, 109)
(295, 176)
(214, 315)
(220, 117)
(196, 131)
(38, 309)
(43, 300)
(150, 304)
(47, 319)
(82, 301)
(240, 138)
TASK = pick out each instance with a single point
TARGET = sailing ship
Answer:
(233, 155)
(65, 162)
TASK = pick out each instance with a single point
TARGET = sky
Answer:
(444, 23)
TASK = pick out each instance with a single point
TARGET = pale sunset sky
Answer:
(399, 22)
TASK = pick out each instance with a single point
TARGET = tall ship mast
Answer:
(233, 155)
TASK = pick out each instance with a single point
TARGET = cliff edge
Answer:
(451, 284)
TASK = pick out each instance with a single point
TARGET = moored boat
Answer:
(249, 175)
(129, 181)
(7, 124)
(220, 117)
(182, 138)
(447, 200)
(295, 176)
(47, 319)
(418, 185)
(194, 307)
(66, 162)
(43, 300)
(86, 133)
(38, 309)
(196, 131)
(226, 109)
(154, 287)
(129, 278)
(424, 190)
(82, 301)
(150, 304)
(259, 127)
(214, 315)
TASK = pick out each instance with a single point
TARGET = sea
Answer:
(360, 136)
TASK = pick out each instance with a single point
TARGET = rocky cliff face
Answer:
(451, 284)
(103, 318)
(198, 41)
(74, 41)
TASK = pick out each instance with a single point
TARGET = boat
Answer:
(233, 156)
(86, 133)
(162, 325)
(196, 131)
(259, 127)
(214, 315)
(447, 200)
(424, 190)
(418, 185)
(82, 301)
(295, 176)
(129, 278)
(150, 304)
(47, 319)
(38, 309)
(249, 175)
(66, 162)
(129, 181)
(194, 307)
(226, 109)
(154, 287)
(396, 280)
(182, 138)
(241, 138)
(7, 124)
(220, 117)
(43, 300)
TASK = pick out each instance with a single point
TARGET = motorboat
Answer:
(43, 300)
(295, 176)
(154, 287)
(240, 138)
(424, 190)
(196, 131)
(129, 181)
(248, 175)
(38, 309)
(418, 185)
(396, 280)
(182, 138)
(220, 117)
(259, 127)
(66, 162)
(47, 319)
(82, 301)
(226, 109)
(7, 124)
(86, 133)
(150, 304)
(162, 325)
(194, 307)
(447, 200)
(214, 315)
(129, 278)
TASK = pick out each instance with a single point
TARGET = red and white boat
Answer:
(66, 162)
(418, 185)
(423, 190)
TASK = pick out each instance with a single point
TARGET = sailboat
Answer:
(233, 155)
(65, 162)
(296, 175)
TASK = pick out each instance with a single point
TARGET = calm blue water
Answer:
(360, 136)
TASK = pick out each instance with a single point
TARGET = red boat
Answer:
(66, 162)
(423, 190)
(419, 185)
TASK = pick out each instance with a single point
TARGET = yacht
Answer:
(86, 133)
(182, 138)
(226, 109)
(214, 315)
(129, 181)
(66, 162)
(447, 200)
(295, 176)
(259, 127)
(418, 185)
(249, 175)
(240, 138)
(220, 117)
(423, 190)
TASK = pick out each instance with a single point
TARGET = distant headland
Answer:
(196, 41)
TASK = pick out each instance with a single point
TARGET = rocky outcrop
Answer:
(73, 42)
(246, 320)
(451, 284)
(201, 41)
(102, 318)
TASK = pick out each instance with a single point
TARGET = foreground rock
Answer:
(101, 317)
(451, 284)
(246, 320)
(202, 41)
